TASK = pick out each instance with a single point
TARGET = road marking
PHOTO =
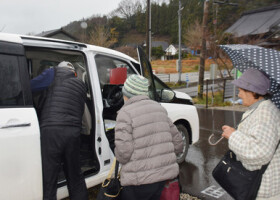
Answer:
(214, 191)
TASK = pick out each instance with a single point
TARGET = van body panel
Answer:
(187, 112)
(20, 167)
(100, 139)
(91, 181)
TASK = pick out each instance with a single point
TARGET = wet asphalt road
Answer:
(196, 173)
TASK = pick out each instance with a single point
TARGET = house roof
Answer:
(54, 32)
(163, 44)
(182, 46)
(257, 21)
(133, 45)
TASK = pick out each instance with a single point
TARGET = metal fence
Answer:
(164, 77)
(221, 84)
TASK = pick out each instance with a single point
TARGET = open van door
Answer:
(146, 70)
(160, 94)
(20, 157)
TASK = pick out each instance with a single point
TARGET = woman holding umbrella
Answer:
(255, 140)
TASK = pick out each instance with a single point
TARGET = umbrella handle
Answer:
(214, 143)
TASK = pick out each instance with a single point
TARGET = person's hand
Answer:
(227, 131)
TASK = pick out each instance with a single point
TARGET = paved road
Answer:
(195, 174)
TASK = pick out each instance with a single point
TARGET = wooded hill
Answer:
(127, 23)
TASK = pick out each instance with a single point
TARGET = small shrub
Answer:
(217, 100)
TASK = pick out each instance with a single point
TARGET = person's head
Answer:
(253, 85)
(67, 65)
(135, 85)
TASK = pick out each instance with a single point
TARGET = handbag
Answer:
(111, 186)
(171, 190)
(234, 178)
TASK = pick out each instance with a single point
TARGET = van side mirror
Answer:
(167, 95)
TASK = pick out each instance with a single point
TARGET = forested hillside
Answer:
(127, 23)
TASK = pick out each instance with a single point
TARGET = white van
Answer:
(104, 71)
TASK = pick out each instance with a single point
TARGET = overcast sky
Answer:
(35, 16)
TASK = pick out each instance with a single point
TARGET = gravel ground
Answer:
(185, 196)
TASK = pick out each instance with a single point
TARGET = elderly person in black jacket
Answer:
(60, 117)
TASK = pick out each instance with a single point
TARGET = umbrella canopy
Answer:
(245, 56)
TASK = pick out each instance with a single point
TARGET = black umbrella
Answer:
(245, 56)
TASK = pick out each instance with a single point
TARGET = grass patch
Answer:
(217, 99)
(175, 85)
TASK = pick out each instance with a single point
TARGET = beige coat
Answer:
(255, 141)
(146, 142)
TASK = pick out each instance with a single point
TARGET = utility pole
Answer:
(215, 11)
(148, 29)
(203, 51)
(150, 32)
(179, 55)
(215, 22)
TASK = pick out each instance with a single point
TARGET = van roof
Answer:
(20, 39)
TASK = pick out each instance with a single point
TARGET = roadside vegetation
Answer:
(216, 96)
(188, 65)
(175, 85)
(217, 99)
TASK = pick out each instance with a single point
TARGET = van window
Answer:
(112, 71)
(10, 85)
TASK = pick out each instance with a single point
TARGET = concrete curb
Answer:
(240, 108)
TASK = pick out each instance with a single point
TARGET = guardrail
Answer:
(164, 77)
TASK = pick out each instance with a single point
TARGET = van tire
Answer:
(186, 142)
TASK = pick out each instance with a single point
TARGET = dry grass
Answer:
(188, 65)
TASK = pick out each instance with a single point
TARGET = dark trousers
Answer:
(143, 192)
(61, 144)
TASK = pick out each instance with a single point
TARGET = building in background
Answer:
(173, 49)
(58, 34)
(261, 24)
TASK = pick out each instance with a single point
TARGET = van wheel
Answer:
(185, 135)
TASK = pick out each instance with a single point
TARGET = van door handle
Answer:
(24, 124)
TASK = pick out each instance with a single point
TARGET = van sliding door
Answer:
(20, 157)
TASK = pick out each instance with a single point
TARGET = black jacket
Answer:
(64, 100)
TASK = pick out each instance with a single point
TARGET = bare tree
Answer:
(128, 50)
(102, 36)
(128, 8)
(193, 35)
(31, 33)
